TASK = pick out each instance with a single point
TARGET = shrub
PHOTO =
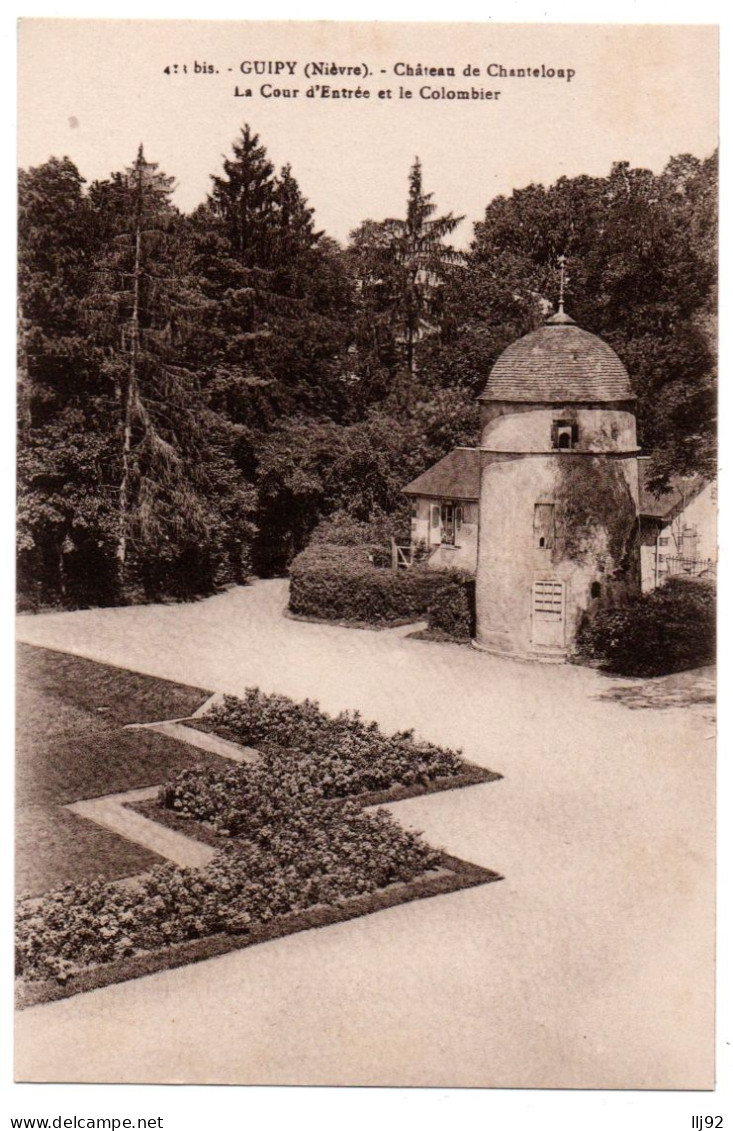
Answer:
(342, 529)
(343, 583)
(319, 856)
(667, 630)
(452, 612)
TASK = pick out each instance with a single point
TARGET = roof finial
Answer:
(564, 280)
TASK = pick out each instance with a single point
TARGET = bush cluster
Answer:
(307, 757)
(452, 611)
(346, 583)
(342, 529)
(667, 630)
(320, 855)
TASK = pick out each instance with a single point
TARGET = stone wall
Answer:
(534, 583)
(528, 428)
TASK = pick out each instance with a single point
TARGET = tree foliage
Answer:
(65, 513)
(643, 271)
(402, 270)
(197, 393)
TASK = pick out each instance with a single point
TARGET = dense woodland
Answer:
(198, 392)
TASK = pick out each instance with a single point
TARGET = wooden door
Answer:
(548, 613)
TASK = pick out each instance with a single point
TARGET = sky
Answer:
(94, 89)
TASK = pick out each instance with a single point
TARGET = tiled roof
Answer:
(455, 476)
(668, 505)
(558, 363)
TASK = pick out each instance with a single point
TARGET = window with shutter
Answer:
(434, 524)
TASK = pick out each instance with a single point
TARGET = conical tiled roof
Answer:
(556, 364)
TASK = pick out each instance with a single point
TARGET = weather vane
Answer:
(564, 280)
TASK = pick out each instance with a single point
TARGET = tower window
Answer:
(564, 435)
(595, 590)
(544, 526)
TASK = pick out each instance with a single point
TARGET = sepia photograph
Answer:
(367, 552)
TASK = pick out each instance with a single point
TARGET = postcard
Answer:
(366, 554)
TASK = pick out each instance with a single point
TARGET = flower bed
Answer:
(302, 854)
(261, 720)
(319, 856)
(451, 876)
(307, 756)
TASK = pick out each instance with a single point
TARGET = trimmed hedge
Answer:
(343, 583)
(667, 630)
(346, 583)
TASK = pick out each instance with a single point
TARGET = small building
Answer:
(444, 521)
(552, 512)
(677, 529)
(545, 511)
(559, 491)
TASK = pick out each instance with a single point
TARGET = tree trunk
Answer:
(24, 379)
(62, 573)
(130, 396)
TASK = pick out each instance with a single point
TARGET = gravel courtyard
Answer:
(589, 965)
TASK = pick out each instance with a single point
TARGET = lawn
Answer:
(71, 745)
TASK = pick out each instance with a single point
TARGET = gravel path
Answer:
(590, 965)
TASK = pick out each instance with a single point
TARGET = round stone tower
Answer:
(558, 510)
